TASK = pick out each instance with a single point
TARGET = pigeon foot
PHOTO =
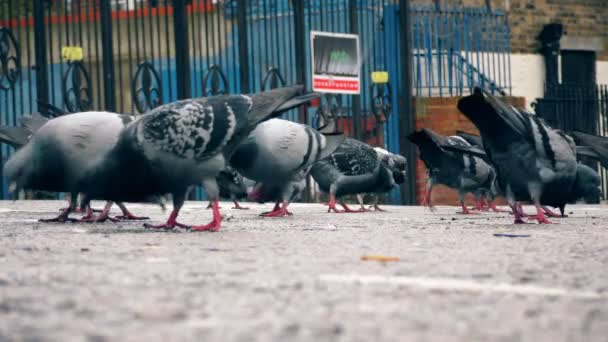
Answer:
(171, 223)
(215, 224)
(281, 212)
(238, 206)
(62, 218)
(377, 208)
(347, 209)
(127, 215)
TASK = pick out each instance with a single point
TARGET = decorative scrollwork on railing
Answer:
(146, 88)
(273, 79)
(381, 102)
(10, 65)
(76, 87)
(215, 81)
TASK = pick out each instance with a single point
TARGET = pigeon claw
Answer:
(347, 209)
(212, 227)
(58, 219)
(377, 208)
(238, 206)
(166, 226)
(540, 218)
(280, 212)
(62, 218)
(131, 217)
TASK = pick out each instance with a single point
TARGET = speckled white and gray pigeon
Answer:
(278, 155)
(533, 161)
(57, 153)
(232, 186)
(181, 144)
(463, 172)
(354, 168)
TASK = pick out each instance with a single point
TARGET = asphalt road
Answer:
(302, 278)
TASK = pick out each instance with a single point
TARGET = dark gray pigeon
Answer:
(593, 146)
(278, 156)
(460, 171)
(181, 144)
(586, 186)
(534, 162)
(354, 168)
(58, 151)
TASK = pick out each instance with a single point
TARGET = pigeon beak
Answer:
(12, 187)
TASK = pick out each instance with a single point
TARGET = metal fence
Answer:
(455, 48)
(138, 54)
(581, 107)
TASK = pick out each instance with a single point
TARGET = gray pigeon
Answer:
(533, 161)
(355, 168)
(460, 171)
(58, 152)
(278, 155)
(181, 144)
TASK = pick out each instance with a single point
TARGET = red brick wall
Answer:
(442, 116)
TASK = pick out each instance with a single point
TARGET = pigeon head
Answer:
(396, 163)
(587, 184)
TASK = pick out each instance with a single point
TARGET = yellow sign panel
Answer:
(72, 53)
(379, 77)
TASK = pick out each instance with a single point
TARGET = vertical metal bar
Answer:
(193, 31)
(300, 49)
(243, 49)
(42, 80)
(182, 55)
(352, 14)
(119, 36)
(29, 64)
(300, 41)
(108, 56)
(406, 122)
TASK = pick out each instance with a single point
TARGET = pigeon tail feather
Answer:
(332, 142)
(598, 144)
(14, 136)
(33, 122)
(491, 116)
(16, 168)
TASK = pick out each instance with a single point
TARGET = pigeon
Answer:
(354, 168)
(593, 146)
(184, 143)
(232, 186)
(460, 171)
(476, 149)
(278, 156)
(397, 164)
(57, 152)
(533, 161)
(586, 186)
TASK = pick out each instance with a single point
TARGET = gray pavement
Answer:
(301, 278)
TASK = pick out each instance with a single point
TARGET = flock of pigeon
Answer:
(518, 156)
(234, 143)
(219, 142)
